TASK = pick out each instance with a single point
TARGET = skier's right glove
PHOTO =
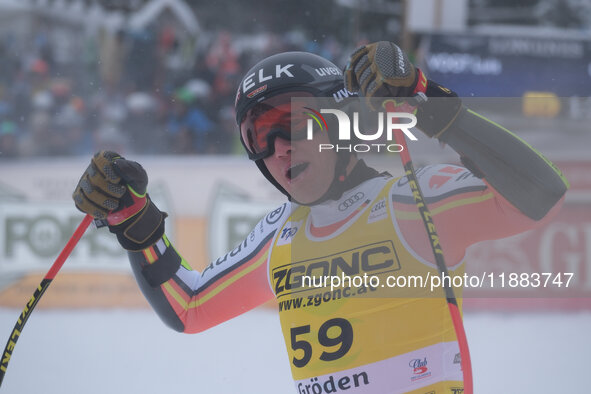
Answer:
(113, 190)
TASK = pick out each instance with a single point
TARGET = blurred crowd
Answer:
(133, 92)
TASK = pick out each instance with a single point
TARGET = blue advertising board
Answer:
(508, 66)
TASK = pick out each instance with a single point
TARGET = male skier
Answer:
(342, 217)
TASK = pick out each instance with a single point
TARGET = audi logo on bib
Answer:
(349, 202)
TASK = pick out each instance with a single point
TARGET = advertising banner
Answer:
(486, 65)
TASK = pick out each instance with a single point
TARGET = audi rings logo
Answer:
(349, 202)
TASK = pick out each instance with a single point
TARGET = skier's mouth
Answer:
(294, 171)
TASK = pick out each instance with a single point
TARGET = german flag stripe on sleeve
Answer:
(174, 291)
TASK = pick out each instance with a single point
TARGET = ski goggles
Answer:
(274, 117)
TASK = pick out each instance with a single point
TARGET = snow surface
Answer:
(128, 352)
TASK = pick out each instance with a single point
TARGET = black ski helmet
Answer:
(291, 72)
(285, 72)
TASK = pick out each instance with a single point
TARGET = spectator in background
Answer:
(222, 60)
(70, 122)
(141, 124)
(225, 139)
(105, 73)
(34, 139)
(188, 125)
(8, 141)
(110, 111)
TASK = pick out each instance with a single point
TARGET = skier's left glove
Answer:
(113, 191)
(382, 69)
